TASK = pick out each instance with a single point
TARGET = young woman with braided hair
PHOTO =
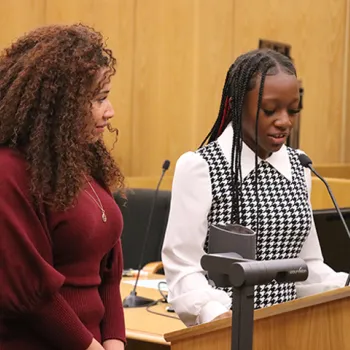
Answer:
(245, 174)
(61, 257)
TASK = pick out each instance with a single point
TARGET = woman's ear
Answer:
(230, 103)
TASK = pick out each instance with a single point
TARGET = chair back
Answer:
(136, 209)
(335, 243)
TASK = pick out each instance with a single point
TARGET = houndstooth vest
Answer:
(284, 214)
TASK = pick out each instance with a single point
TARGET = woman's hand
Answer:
(224, 315)
(113, 344)
(95, 345)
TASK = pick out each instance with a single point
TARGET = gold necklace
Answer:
(98, 201)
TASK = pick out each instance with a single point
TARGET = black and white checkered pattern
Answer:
(284, 214)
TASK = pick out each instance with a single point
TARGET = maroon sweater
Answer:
(51, 293)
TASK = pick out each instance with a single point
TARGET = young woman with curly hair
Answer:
(61, 257)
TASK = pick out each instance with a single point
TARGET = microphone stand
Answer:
(347, 283)
(332, 197)
(306, 162)
(134, 300)
(243, 274)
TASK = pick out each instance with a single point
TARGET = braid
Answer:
(240, 79)
(219, 124)
(240, 85)
(261, 90)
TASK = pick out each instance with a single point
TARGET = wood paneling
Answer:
(19, 16)
(161, 97)
(347, 94)
(173, 57)
(180, 64)
(337, 171)
(320, 198)
(316, 31)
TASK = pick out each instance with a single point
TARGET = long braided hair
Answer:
(240, 79)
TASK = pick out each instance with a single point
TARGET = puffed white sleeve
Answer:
(321, 276)
(193, 299)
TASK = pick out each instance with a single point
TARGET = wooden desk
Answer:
(337, 171)
(144, 330)
(317, 322)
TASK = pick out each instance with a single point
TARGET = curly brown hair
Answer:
(47, 82)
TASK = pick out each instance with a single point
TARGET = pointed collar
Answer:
(279, 160)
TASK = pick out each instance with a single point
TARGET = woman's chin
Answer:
(95, 138)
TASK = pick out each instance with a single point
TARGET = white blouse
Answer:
(193, 299)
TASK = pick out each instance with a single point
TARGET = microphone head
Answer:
(304, 160)
(166, 164)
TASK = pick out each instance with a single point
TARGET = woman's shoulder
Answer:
(191, 171)
(190, 161)
(296, 154)
(296, 151)
(299, 163)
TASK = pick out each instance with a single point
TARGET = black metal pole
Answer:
(242, 318)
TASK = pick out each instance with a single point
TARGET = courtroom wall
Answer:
(173, 57)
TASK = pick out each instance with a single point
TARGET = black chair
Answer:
(334, 241)
(136, 210)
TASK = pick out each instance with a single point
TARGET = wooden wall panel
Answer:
(347, 119)
(163, 88)
(213, 57)
(173, 57)
(19, 16)
(316, 31)
(180, 65)
(347, 94)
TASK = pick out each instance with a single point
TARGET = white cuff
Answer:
(306, 289)
(211, 310)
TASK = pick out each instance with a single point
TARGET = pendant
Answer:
(104, 217)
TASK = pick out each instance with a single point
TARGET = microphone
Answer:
(133, 300)
(306, 162)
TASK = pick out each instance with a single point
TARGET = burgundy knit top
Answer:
(55, 292)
